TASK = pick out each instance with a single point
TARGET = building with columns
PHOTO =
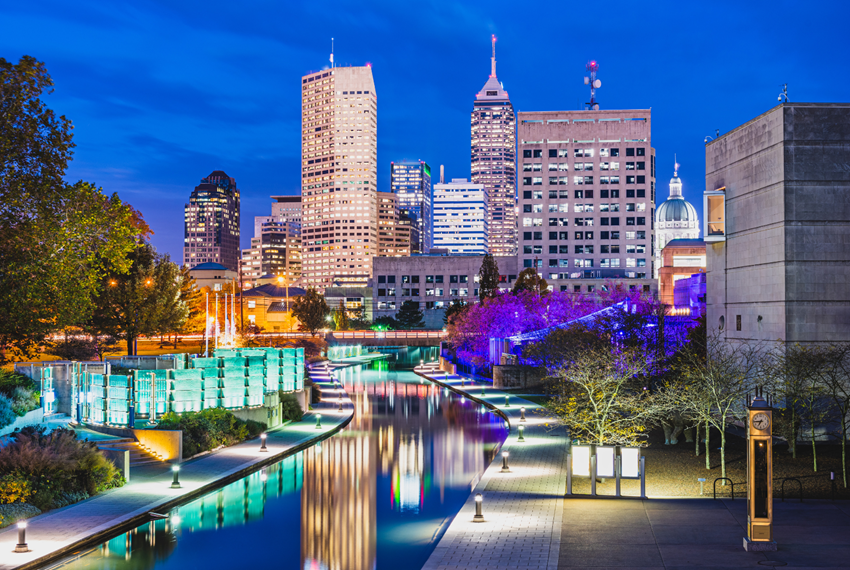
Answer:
(494, 160)
(675, 218)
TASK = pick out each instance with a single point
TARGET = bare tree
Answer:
(834, 376)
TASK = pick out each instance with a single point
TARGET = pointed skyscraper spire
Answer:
(493, 59)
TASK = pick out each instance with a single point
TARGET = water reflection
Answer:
(377, 495)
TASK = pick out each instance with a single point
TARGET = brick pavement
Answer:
(64, 531)
(523, 509)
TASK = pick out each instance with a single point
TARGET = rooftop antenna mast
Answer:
(784, 94)
(493, 59)
(592, 67)
(332, 53)
(675, 165)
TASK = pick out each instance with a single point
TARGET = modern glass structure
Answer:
(460, 217)
(211, 223)
(494, 160)
(410, 180)
(339, 154)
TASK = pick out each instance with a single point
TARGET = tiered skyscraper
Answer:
(494, 160)
(410, 180)
(211, 222)
(339, 155)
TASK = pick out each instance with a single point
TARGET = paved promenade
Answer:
(530, 525)
(523, 509)
(63, 531)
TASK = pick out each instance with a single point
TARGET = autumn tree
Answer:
(311, 310)
(529, 280)
(456, 307)
(488, 277)
(340, 317)
(56, 239)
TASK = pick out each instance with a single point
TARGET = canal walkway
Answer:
(65, 531)
(523, 509)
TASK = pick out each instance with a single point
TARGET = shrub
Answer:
(209, 429)
(7, 411)
(24, 400)
(11, 380)
(57, 465)
(14, 488)
(290, 408)
(10, 514)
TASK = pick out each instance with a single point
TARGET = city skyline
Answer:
(149, 122)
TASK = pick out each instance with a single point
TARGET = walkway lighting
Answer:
(479, 517)
(22, 538)
(318, 421)
(340, 402)
(522, 414)
(175, 483)
(521, 431)
(263, 442)
(507, 401)
(482, 391)
(505, 468)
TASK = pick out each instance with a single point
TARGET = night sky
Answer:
(163, 92)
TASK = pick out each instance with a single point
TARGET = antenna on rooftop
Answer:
(675, 165)
(332, 53)
(784, 94)
(592, 67)
(493, 59)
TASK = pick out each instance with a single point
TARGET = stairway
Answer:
(138, 455)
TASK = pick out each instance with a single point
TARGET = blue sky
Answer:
(161, 93)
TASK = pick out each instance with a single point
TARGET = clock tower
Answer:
(759, 476)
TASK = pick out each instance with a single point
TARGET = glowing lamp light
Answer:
(605, 461)
(630, 462)
(581, 460)
(479, 516)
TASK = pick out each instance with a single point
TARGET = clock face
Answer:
(761, 421)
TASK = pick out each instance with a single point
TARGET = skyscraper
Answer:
(494, 160)
(211, 222)
(339, 155)
(460, 217)
(393, 236)
(587, 197)
(410, 180)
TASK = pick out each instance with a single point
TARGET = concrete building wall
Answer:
(785, 263)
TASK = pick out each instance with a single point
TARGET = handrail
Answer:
(800, 483)
(724, 479)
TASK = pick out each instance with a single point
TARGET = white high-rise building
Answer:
(675, 218)
(460, 217)
(339, 156)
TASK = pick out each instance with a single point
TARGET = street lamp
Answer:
(505, 468)
(175, 483)
(318, 421)
(522, 414)
(263, 442)
(479, 517)
(22, 538)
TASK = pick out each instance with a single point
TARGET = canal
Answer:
(379, 494)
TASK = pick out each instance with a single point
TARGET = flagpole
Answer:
(207, 327)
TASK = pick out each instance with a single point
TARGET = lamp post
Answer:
(507, 401)
(521, 433)
(175, 482)
(318, 421)
(505, 468)
(22, 538)
(479, 517)
(263, 442)
(522, 414)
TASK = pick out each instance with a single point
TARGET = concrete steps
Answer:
(138, 454)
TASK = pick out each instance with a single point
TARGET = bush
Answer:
(24, 400)
(58, 466)
(10, 514)
(14, 488)
(290, 408)
(208, 429)
(7, 411)
(11, 380)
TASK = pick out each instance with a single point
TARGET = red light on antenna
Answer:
(368, 64)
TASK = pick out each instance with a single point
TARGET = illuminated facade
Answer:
(393, 236)
(587, 198)
(410, 180)
(276, 250)
(494, 160)
(675, 218)
(461, 210)
(339, 155)
(211, 223)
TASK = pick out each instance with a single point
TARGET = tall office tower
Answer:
(339, 155)
(393, 236)
(275, 250)
(587, 197)
(675, 218)
(285, 209)
(211, 222)
(494, 160)
(410, 180)
(460, 217)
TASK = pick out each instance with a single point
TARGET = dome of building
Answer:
(676, 210)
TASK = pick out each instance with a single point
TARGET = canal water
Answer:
(378, 495)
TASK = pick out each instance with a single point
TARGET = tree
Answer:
(56, 239)
(385, 323)
(529, 280)
(409, 316)
(488, 285)
(340, 317)
(143, 301)
(456, 307)
(195, 301)
(357, 319)
(601, 399)
(311, 310)
(835, 381)
(561, 347)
